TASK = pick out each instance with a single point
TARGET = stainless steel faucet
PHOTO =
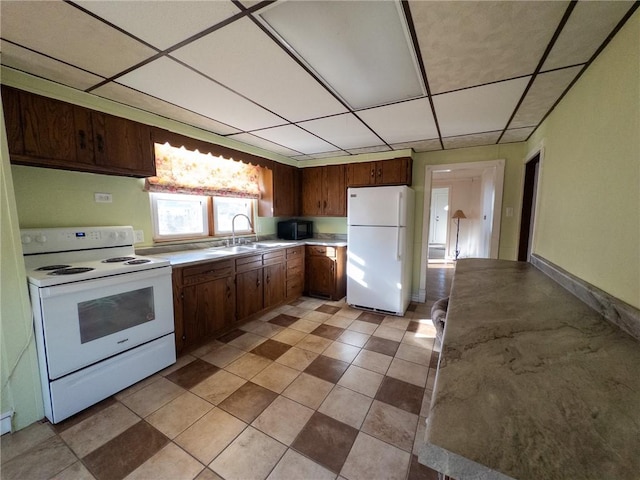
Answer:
(233, 227)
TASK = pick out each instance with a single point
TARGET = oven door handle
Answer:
(96, 283)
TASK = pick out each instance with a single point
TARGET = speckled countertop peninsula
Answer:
(532, 383)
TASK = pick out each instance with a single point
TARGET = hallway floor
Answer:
(311, 390)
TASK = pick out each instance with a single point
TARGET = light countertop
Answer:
(532, 383)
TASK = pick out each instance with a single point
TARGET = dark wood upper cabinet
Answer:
(45, 132)
(324, 192)
(397, 171)
(279, 191)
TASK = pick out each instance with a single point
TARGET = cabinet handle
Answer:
(373, 172)
(184, 337)
(380, 172)
(325, 204)
(268, 279)
(83, 139)
(257, 283)
(100, 143)
(318, 203)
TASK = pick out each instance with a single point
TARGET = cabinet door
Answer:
(249, 293)
(122, 145)
(274, 284)
(320, 278)
(312, 191)
(206, 310)
(286, 191)
(335, 191)
(393, 172)
(11, 107)
(361, 174)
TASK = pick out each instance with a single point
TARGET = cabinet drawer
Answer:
(295, 270)
(321, 251)
(206, 271)
(295, 252)
(273, 258)
(295, 287)
(248, 263)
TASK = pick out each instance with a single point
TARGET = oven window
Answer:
(108, 315)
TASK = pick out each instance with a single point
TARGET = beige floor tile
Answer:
(370, 458)
(264, 452)
(180, 362)
(308, 390)
(76, 471)
(409, 372)
(314, 343)
(419, 440)
(391, 424)
(426, 402)
(431, 378)
(400, 323)
(266, 329)
(361, 380)
(304, 325)
(283, 419)
(294, 466)
(339, 321)
(294, 311)
(297, 358)
(248, 366)
(346, 406)
(413, 354)
(218, 386)
(389, 333)
(363, 327)
(341, 351)
(207, 348)
(223, 356)
(247, 342)
(210, 435)
(374, 361)
(419, 340)
(356, 339)
(179, 414)
(319, 317)
(289, 336)
(18, 442)
(208, 474)
(152, 397)
(136, 387)
(276, 377)
(46, 458)
(84, 437)
(310, 303)
(349, 312)
(169, 463)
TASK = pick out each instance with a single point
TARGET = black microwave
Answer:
(295, 229)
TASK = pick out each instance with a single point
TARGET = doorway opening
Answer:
(529, 194)
(439, 224)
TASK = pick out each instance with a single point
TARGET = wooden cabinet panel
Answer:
(208, 309)
(274, 284)
(13, 124)
(286, 191)
(397, 171)
(312, 191)
(324, 191)
(325, 272)
(249, 293)
(361, 174)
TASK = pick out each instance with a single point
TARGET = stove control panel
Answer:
(46, 240)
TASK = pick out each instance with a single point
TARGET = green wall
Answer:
(588, 219)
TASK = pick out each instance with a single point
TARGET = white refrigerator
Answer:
(380, 237)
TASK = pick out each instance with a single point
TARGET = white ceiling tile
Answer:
(242, 57)
(344, 131)
(167, 80)
(474, 140)
(472, 43)
(296, 139)
(335, 153)
(65, 33)
(402, 122)
(162, 23)
(546, 89)
(420, 146)
(588, 26)
(265, 144)
(478, 109)
(31, 62)
(516, 135)
(128, 96)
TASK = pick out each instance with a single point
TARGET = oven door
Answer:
(85, 322)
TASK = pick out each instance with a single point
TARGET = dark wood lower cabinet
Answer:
(325, 272)
(249, 293)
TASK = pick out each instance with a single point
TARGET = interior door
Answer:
(439, 215)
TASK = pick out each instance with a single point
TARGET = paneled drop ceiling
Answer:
(272, 75)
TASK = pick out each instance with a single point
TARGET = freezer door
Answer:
(377, 206)
(374, 268)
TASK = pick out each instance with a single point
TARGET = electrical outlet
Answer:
(138, 236)
(103, 197)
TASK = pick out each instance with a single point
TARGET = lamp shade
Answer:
(459, 214)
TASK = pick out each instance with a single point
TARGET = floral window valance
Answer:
(179, 170)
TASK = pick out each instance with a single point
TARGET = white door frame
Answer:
(497, 210)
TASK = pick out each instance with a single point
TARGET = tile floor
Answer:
(311, 390)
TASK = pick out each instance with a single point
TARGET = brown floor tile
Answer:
(391, 425)
(382, 345)
(284, 320)
(297, 302)
(326, 441)
(126, 452)
(170, 463)
(271, 349)
(417, 471)
(330, 309)
(412, 307)
(400, 394)
(433, 362)
(327, 331)
(232, 335)
(42, 461)
(14, 444)
(371, 317)
(327, 368)
(193, 373)
(84, 414)
(248, 401)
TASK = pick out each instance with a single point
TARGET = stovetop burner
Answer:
(52, 267)
(117, 259)
(138, 261)
(71, 271)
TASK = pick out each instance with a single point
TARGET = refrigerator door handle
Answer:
(398, 253)
(398, 223)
